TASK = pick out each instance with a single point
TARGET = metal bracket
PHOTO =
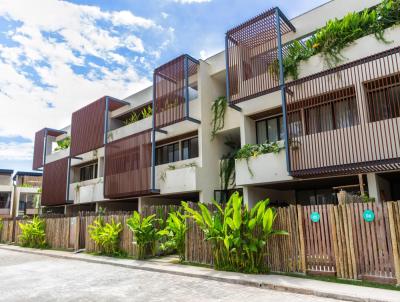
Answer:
(77, 157)
(237, 108)
(193, 120)
(161, 131)
(155, 191)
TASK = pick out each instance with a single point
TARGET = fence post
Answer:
(301, 235)
(77, 231)
(394, 242)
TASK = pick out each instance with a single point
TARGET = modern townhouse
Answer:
(6, 192)
(332, 126)
(27, 193)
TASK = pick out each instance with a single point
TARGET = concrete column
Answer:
(247, 131)
(378, 187)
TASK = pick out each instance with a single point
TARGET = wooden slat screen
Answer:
(253, 58)
(169, 83)
(38, 149)
(55, 183)
(346, 120)
(127, 166)
(87, 128)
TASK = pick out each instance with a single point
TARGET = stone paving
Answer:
(28, 277)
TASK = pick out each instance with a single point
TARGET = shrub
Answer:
(238, 235)
(175, 231)
(1, 224)
(146, 233)
(33, 233)
(106, 235)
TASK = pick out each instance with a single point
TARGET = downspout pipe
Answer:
(282, 86)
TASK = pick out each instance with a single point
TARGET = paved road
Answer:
(26, 277)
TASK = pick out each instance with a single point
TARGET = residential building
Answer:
(337, 126)
(27, 193)
(6, 192)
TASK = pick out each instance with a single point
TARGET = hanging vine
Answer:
(218, 109)
(227, 166)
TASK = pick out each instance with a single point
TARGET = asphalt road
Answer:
(26, 277)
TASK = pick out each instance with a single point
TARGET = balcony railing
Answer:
(346, 120)
(252, 52)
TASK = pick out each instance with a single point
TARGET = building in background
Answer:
(6, 192)
(27, 193)
(337, 126)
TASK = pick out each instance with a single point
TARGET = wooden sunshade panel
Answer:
(38, 149)
(169, 85)
(253, 58)
(55, 183)
(346, 120)
(87, 128)
(128, 166)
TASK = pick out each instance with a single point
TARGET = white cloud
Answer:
(164, 15)
(68, 55)
(191, 1)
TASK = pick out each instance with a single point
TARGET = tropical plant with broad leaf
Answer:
(145, 232)
(238, 235)
(33, 233)
(175, 231)
(106, 235)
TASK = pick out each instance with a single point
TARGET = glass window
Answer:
(190, 148)
(384, 103)
(269, 130)
(5, 200)
(186, 149)
(88, 172)
(316, 197)
(295, 124)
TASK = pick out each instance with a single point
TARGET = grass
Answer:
(341, 281)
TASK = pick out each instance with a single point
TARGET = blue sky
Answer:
(57, 56)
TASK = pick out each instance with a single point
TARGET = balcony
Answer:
(264, 168)
(87, 191)
(56, 155)
(345, 120)
(130, 129)
(178, 177)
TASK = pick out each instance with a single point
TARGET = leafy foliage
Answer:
(147, 112)
(237, 234)
(337, 34)
(1, 224)
(63, 144)
(136, 116)
(175, 231)
(33, 233)
(106, 235)
(227, 165)
(146, 233)
(218, 110)
(248, 151)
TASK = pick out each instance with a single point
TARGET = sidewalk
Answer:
(276, 282)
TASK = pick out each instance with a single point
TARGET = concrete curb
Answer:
(156, 267)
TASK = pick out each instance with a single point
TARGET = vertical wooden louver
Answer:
(55, 183)
(127, 166)
(346, 120)
(87, 128)
(169, 84)
(38, 150)
(252, 56)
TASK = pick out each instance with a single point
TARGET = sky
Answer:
(58, 56)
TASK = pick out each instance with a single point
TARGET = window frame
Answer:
(277, 117)
(94, 166)
(179, 143)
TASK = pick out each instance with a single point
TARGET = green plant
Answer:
(33, 233)
(1, 224)
(227, 165)
(330, 40)
(238, 235)
(248, 151)
(175, 231)
(106, 235)
(218, 109)
(365, 198)
(147, 112)
(25, 185)
(63, 144)
(145, 232)
(133, 118)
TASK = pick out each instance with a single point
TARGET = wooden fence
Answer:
(341, 243)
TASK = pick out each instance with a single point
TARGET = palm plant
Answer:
(237, 234)
(175, 231)
(33, 233)
(147, 112)
(106, 235)
(145, 232)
